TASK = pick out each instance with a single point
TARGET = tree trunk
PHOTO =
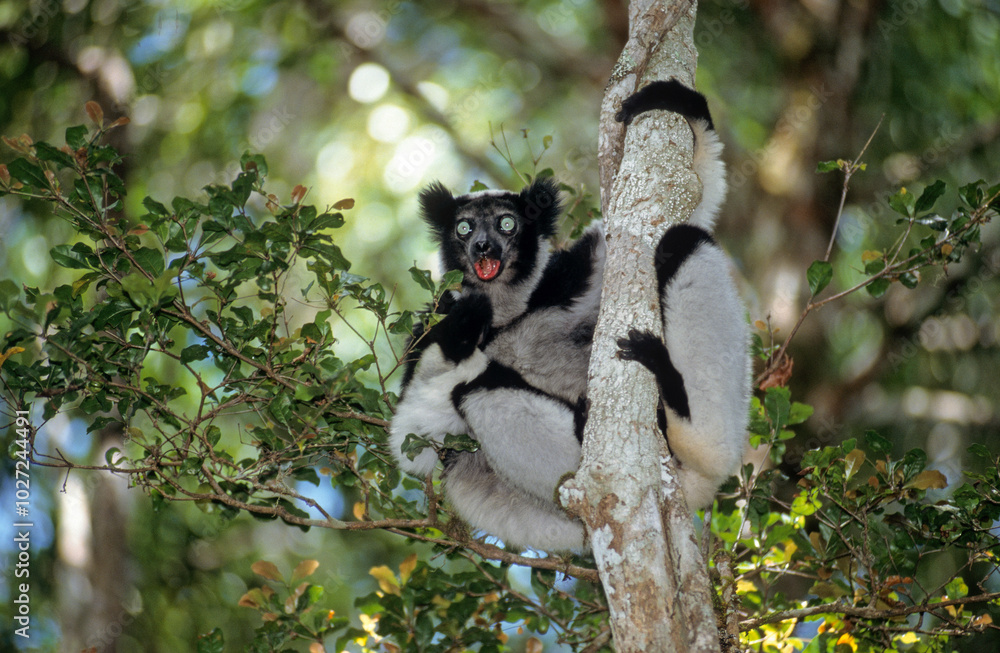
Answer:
(642, 534)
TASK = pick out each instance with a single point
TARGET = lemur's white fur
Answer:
(520, 393)
(711, 170)
(705, 331)
(426, 408)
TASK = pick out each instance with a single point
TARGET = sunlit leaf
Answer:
(266, 569)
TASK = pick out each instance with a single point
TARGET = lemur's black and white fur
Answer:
(508, 364)
(700, 359)
(521, 390)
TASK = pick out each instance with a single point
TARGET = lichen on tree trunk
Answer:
(641, 532)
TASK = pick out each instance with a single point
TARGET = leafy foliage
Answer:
(211, 295)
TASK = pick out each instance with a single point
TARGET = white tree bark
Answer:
(642, 535)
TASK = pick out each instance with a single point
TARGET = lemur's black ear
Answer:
(438, 208)
(540, 204)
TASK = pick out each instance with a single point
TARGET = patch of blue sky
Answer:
(259, 79)
(169, 29)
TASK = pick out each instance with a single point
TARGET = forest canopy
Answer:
(212, 259)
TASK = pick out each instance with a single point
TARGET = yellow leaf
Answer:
(304, 569)
(407, 566)
(316, 647)
(929, 479)
(870, 255)
(386, 579)
(533, 645)
(760, 324)
(817, 541)
(344, 204)
(947, 249)
(909, 638)
(848, 640)
(266, 569)
(359, 511)
(982, 621)
(10, 352)
(854, 461)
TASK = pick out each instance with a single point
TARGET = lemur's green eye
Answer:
(507, 225)
(463, 228)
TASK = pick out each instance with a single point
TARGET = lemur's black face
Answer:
(493, 237)
(489, 235)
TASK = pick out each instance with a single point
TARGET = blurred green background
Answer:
(372, 100)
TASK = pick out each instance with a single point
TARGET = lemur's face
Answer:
(488, 239)
(494, 237)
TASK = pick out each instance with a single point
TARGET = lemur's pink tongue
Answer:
(487, 268)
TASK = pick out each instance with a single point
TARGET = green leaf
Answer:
(777, 407)
(327, 221)
(903, 203)
(972, 194)
(27, 173)
(116, 313)
(819, 275)
(76, 137)
(799, 413)
(109, 455)
(909, 279)
(423, 278)
(827, 166)
(281, 409)
(155, 207)
(46, 152)
(930, 195)
(244, 313)
(878, 287)
(212, 642)
(10, 294)
(69, 257)
(195, 353)
(980, 451)
(460, 442)
(934, 221)
(150, 260)
(874, 267)
(879, 445)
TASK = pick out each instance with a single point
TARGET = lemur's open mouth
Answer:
(487, 268)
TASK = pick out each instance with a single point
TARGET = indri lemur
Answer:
(508, 364)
